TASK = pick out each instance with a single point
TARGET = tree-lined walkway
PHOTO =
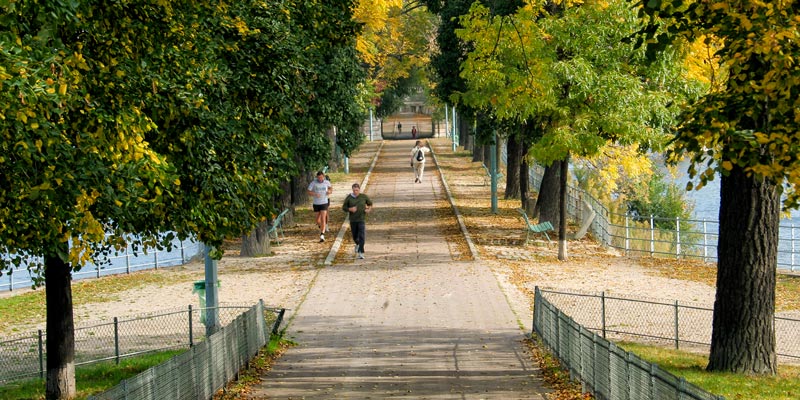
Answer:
(409, 321)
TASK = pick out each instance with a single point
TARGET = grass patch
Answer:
(90, 379)
(784, 386)
(30, 307)
(787, 292)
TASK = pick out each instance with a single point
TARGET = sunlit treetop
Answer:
(753, 121)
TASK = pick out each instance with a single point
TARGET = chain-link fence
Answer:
(662, 237)
(682, 324)
(206, 367)
(605, 370)
(25, 356)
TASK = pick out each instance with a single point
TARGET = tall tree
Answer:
(568, 68)
(142, 118)
(747, 132)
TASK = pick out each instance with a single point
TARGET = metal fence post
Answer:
(627, 236)
(652, 382)
(278, 321)
(652, 236)
(791, 268)
(127, 260)
(155, 258)
(705, 241)
(677, 237)
(677, 332)
(10, 279)
(116, 340)
(191, 337)
(41, 354)
(603, 312)
(183, 252)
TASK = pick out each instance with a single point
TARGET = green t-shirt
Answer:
(361, 202)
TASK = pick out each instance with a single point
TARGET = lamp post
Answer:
(455, 132)
(493, 170)
(212, 300)
(446, 121)
(370, 124)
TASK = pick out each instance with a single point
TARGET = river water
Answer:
(706, 200)
(706, 207)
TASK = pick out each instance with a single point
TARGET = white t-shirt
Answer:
(414, 153)
(321, 189)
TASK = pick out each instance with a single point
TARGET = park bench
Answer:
(277, 227)
(537, 228)
(488, 175)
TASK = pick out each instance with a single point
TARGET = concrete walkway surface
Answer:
(408, 321)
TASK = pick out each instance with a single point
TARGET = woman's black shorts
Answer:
(321, 207)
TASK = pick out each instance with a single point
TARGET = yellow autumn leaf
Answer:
(727, 165)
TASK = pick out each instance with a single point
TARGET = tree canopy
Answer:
(133, 121)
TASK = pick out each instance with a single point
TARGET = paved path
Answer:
(407, 322)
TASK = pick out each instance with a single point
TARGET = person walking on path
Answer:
(413, 132)
(415, 320)
(418, 160)
(358, 204)
(319, 189)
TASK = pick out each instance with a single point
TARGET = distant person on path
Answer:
(413, 132)
(418, 160)
(319, 189)
(399, 128)
(358, 204)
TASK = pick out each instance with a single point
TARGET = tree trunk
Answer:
(562, 208)
(60, 328)
(333, 160)
(487, 154)
(513, 159)
(743, 336)
(257, 242)
(524, 178)
(463, 127)
(477, 154)
(297, 189)
(549, 194)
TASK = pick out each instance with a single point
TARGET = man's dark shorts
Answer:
(321, 207)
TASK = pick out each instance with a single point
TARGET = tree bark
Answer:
(297, 190)
(477, 154)
(60, 328)
(513, 160)
(743, 336)
(463, 127)
(524, 178)
(333, 160)
(549, 194)
(257, 242)
(562, 208)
